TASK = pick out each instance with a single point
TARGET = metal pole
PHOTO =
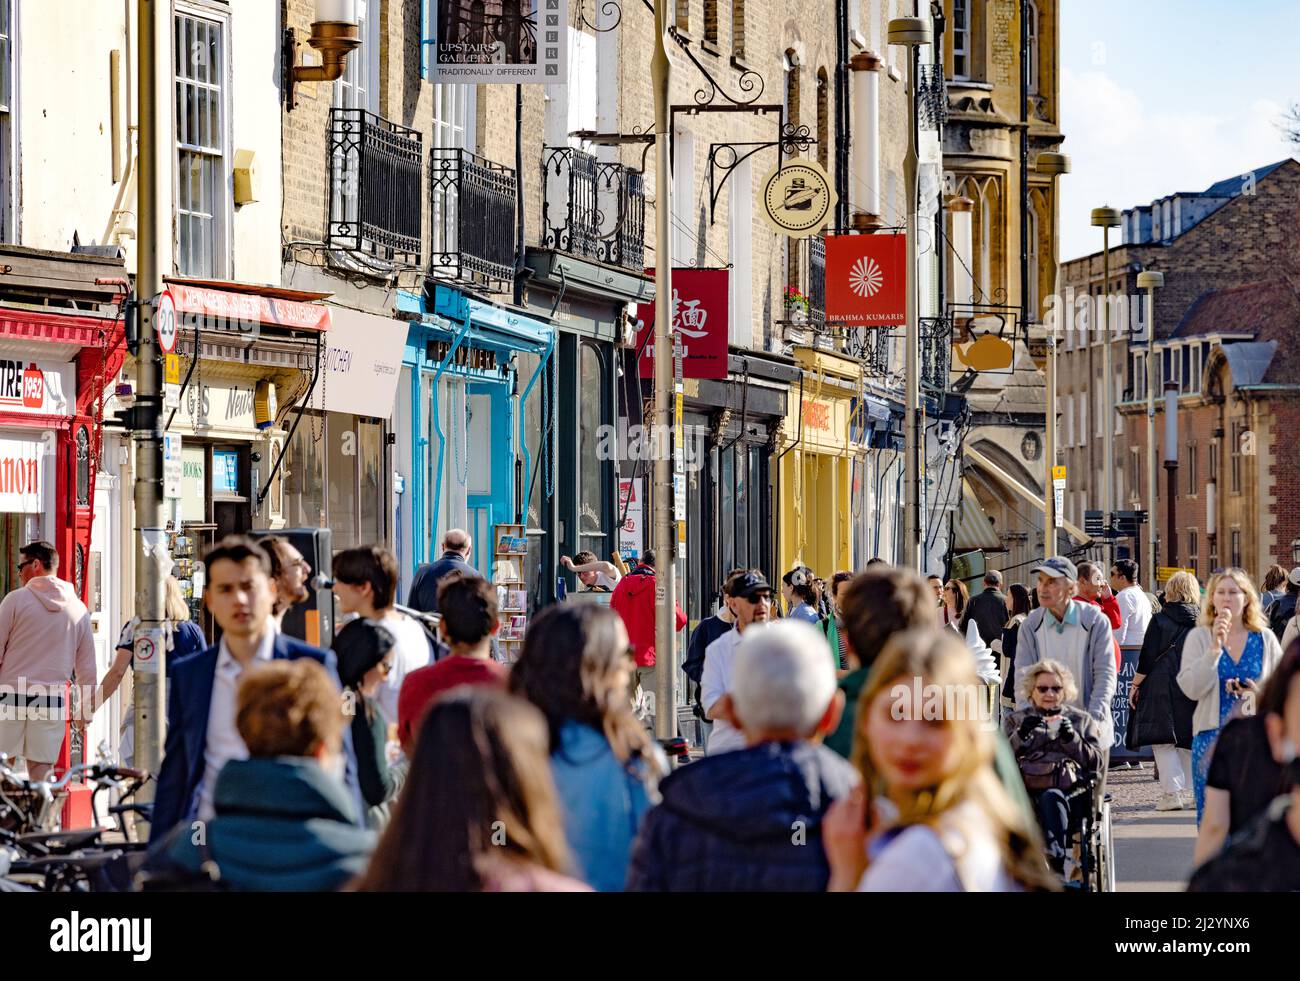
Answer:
(150, 646)
(1171, 469)
(665, 404)
(1151, 434)
(1108, 393)
(912, 552)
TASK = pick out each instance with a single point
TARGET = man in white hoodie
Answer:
(45, 638)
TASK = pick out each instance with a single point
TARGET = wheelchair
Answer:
(1090, 835)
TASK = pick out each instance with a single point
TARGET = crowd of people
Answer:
(872, 731)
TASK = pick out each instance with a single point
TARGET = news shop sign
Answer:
(506, 41)
(866, 280)
(700, 317)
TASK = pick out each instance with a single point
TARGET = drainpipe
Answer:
(437, 423)
(523, 437)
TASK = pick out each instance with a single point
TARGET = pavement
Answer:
(1153, 849)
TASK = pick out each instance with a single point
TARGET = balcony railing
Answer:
(374, 186)
(592, 208)
(817, 282)
(472, 216)
(936, 353)
(870, 346)
(931, 97)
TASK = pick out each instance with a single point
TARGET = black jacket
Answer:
(705, 633)
(1263, 857)
(1164, 713)
(424, 587)
(989, 611)
(748, 821)
(1281, 612)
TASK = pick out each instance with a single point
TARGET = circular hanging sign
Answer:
(164, 321)
(798, 198)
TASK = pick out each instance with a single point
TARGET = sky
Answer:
(1160, 96)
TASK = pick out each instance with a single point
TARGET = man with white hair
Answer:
(750, 820)
(456, 547)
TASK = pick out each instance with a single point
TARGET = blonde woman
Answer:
(930, 815)
(1226, 658)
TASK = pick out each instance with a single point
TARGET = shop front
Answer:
(570, 420)
(466, 368)
(814, 465)
(729, 426)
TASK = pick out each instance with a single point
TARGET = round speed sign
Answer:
(164, 321)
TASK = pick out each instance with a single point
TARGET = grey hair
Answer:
(783, 678)
(456, 540)
(993, 578)
(1030, 678)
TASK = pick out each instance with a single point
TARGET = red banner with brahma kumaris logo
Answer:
(701, 299)
(866, 280)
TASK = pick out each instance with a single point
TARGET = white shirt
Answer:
(410, 653)
(719, 657)
(960, 856)
(224, 743)
(1135, 613)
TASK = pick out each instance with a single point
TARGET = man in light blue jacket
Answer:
(1074, 633)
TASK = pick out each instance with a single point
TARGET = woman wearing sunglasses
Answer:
(365, 652)
(576, 666)
(1057, 747)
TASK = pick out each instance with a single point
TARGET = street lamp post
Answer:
(1052, 165)
(1106, 219)
(664, 544)
(1151, 281)
(911, 33)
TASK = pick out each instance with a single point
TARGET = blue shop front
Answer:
(459, 457)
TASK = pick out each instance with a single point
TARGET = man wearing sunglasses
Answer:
(45, 638)
(751, 602)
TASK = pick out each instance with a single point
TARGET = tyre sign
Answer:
(164, 321)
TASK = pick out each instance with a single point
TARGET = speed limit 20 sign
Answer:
(164, 321)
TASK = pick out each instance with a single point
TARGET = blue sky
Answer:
(1168, 95)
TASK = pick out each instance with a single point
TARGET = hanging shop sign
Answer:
(509, 41)
(866, 280)
(700, 319)
(21, 483)
(35, 388)
(173, 467)
(362, 360)
(798, 199)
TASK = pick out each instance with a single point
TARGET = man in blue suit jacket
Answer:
(456, 546)
(201, 732)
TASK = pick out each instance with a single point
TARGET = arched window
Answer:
(1031, 16)
(986, 243)
(83, 467)
(961, 45)
(823, 117)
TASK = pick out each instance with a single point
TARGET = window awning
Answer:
(1015, 486)
(231, 304)
(972, 530)
(490, 326)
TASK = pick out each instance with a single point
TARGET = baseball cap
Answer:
(747, 585)
(1056, 567)
(1294, 576)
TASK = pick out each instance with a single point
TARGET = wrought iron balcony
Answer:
(870, 346)
(473, 217)
(592, 208)
(936, 353)
(374, 186)
(931, 97)
(817, 282)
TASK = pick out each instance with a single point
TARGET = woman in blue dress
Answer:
(1225, 663)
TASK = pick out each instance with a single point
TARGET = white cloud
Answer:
(1124, 152)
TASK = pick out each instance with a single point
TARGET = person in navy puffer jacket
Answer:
(750, 820)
